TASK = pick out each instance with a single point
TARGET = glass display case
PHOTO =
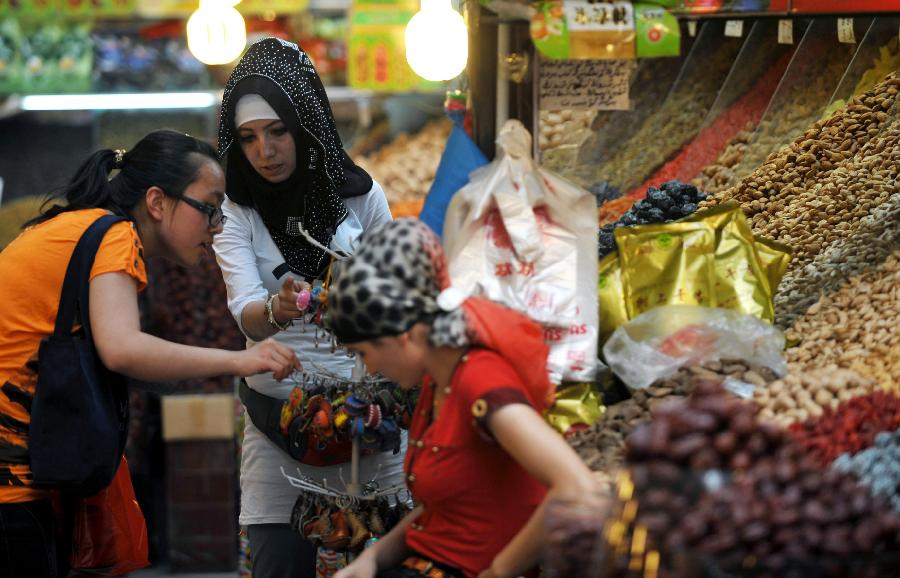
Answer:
(805, 90)
(680, 116)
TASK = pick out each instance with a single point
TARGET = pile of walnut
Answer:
(602, 446)
(405, 167)
(805, 394)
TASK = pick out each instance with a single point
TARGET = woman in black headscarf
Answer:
(296, 202)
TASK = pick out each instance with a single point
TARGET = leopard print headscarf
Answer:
(395, 280)
(399, 277)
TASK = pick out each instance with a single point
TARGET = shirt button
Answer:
(420, 444)
(435, 449)
(411, 478)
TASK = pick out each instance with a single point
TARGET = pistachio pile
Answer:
(818, 189)
(405, 168)
(876, 238)
(855, 327)
(804, 394)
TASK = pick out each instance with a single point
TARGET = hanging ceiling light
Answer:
(437, 44)
(216, 33)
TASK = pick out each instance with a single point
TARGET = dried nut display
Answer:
(652, 81)
(720, 175)
(792, 112)
(877, 237)
(854, 328)
(405, 168)
(602, 446)
(564, 127)
(818, 190)
(710, 430)
(804, 394)
(673, 124)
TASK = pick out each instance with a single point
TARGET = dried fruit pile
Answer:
(799, 106)
(191, 307)
(855, 328)
(878, 467)
(671, 201)
(788, 514)
(602, 446)
(676, 122)
(850, 428)
(707, 145)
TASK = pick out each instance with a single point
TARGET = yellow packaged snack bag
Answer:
(672, 263)
(741, 281)
(611, 296)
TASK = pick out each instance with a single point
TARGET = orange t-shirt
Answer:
(32, 269)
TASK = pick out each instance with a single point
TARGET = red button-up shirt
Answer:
(476, 497)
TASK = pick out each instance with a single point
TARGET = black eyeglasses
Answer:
(215, 214)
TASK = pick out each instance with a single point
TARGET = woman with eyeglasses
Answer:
(294, 200)
(170, 187)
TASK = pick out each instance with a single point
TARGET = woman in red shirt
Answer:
(481, 461)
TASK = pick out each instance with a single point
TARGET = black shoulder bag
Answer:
(79, 415)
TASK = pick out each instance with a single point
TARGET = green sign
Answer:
(657, 32)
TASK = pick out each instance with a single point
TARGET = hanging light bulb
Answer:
(216, 32)
(437, 43)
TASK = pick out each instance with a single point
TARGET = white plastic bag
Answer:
(527, 238)
(656, 343)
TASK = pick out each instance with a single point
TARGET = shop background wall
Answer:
(40, 152)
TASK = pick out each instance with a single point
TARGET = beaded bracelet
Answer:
(270, 314)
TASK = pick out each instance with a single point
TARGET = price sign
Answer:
(785, 32)
(734, 28)
(845, 31)
(585, 84)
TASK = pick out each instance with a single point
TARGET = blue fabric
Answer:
(461, 157)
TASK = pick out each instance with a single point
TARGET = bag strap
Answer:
(75, 290)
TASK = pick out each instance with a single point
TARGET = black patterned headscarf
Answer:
(310, 200)
(399, 277)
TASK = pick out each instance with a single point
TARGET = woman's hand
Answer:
(362, 567)
(489, 573)
(268, 355)
(285, 306)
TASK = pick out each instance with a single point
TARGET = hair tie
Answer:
(120, 158)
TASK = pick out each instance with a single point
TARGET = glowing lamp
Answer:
(437, 44)
(216, 33)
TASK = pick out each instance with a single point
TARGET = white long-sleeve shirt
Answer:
(248, 256)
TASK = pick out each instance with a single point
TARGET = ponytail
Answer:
(88, 188)
(164, 158)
